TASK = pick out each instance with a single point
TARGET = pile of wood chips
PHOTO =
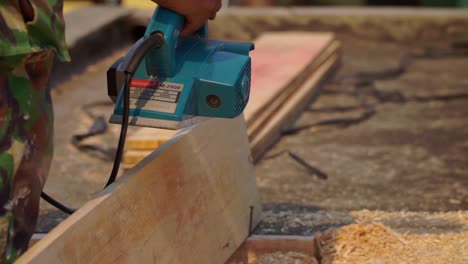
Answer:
(377, 243)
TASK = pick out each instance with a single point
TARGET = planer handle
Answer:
(162, 61)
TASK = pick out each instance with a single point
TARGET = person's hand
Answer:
(196, 12)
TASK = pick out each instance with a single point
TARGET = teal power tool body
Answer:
(185, 80)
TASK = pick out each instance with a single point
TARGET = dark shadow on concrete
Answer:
(50, 220)
(293, 219)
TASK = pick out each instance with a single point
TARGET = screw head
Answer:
(213, 101)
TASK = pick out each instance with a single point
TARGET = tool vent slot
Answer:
(241, 101)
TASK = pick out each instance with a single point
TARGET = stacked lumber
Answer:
(287, 69)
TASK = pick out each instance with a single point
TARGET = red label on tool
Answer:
(140, 83)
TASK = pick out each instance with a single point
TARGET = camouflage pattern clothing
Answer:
(31, 36)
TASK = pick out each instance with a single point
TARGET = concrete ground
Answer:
(409, 155)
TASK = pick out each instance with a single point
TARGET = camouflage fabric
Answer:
(26, 130)
(28, 26)
(31, 36)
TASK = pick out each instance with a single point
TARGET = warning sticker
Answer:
(155, 96)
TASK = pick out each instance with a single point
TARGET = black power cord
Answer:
(123, 130)
(130, 65)
(57, 204)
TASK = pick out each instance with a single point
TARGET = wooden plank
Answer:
(256, 246)
(132, 157)
(142, 142)
(271, 131)
(187, 202)
(258, 121)
(148, 139)
(279, 62)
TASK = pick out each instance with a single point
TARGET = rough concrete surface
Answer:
(408, 25)
(408, 156)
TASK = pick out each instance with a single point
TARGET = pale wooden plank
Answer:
(258, 121)
(277, 63)
(148, 139)
(187, 202)
(132, 157)
(270, 131)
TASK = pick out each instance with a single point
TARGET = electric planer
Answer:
(180, 81)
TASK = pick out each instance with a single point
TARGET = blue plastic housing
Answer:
(177, 80)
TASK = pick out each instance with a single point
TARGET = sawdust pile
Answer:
(376, 243)
(417, 222)
(285, 258)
